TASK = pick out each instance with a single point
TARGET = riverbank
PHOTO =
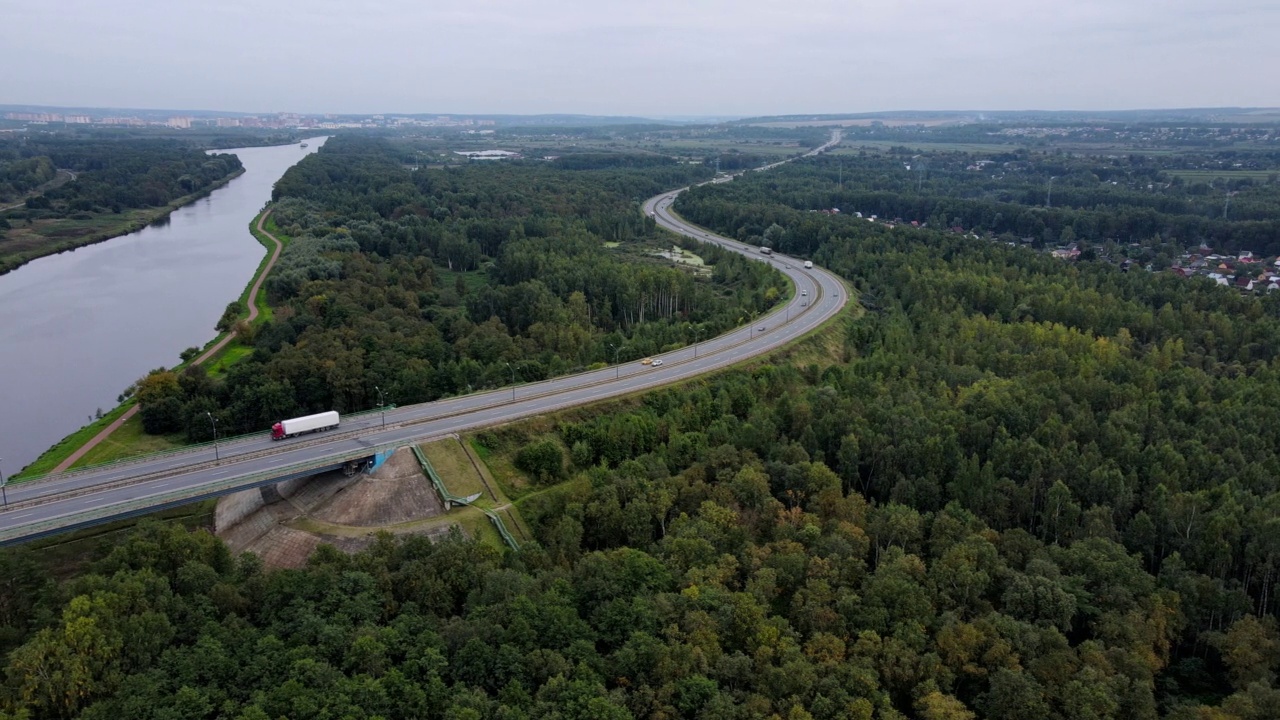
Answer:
(22, 249)
(118, 434)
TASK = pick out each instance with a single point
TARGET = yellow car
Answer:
(647, 361)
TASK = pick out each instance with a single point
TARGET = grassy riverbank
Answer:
(24, 243)
(129, 440)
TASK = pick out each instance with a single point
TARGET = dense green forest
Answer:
(1011, 488)
(1159, 202)
(433, 283)
(717, 555)
(111, 175)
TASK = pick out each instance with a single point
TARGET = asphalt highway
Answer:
(97, 494)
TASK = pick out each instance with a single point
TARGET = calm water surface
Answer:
(77, 328)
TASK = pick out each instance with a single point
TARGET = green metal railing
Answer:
(448, 497)
(502, 529)
(451, 499)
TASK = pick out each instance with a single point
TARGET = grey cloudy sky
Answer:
(659, 57)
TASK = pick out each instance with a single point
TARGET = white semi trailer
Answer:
(304, 424)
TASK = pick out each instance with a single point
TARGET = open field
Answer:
(59, 452)
(455, 469)
(127, 441)
(861, 122)
(230, 355)
(1207, 175)
(855, 146)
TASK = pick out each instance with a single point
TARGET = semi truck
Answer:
(304, 424)
(765, 251)
(808, 264)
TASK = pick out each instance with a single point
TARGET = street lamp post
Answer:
(697, 336)
(3, 493)
(214, 422)
(513, 381)
(617, 369)
(382, 408)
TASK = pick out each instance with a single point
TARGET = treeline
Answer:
(1125, 199)
(1018, 489)
(729, 563)
(111, 175)
(435, 283)
(20, 176)
(1068, 402)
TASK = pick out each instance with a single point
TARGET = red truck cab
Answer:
(277, 431)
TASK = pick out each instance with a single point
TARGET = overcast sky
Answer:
(655, 58)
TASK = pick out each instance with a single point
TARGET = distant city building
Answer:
(487, 154)
(181, 123)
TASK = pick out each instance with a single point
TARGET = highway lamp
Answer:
(617, 369)
(3, 493)
(697, 336)
(214, 422)
(513, 381)
(382, 408)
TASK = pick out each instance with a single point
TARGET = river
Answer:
(81, 326)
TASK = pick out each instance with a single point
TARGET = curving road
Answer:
(91, 495)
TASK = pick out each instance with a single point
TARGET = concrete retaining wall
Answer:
(237, 506)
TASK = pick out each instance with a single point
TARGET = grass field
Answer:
(473, 280)
(129, 441)
(455, 469)
(511, 482)
(1207, 175)
(854, 146)
(69, 444)
(230, 355)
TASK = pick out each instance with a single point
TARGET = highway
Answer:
(82, 497)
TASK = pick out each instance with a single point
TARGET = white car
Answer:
(656, 363)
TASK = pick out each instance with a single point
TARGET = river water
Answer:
(77, 328)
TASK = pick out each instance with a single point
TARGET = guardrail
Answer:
(446, 496)
(137, 459)
(151, 503)
(502, 529)
(449, 498)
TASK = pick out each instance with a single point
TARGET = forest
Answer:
(111, 175)
(1010, 487)
(432, 283)
(1163, 203)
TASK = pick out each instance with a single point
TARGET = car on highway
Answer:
(761, 328)
(657, 363)
(647, 361)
